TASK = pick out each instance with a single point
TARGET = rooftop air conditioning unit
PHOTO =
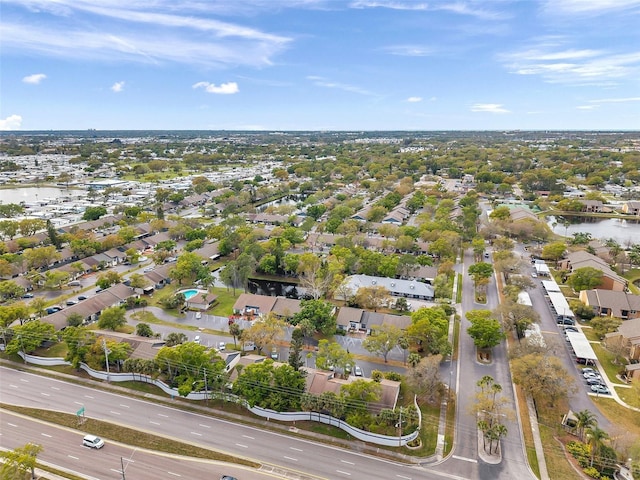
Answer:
(412, 286)
(373, 282)
(393, 284)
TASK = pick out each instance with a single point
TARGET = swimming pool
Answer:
(189, 293)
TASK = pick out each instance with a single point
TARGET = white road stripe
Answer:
(296, 449)
(472, 460)
(350, 463)
(45, 435)
(196, 433)
(344, 473)
(204, 426)
(174, 474)
(115, 413)
(71, 456)
(291, 458)
(247, 436)
(243, 446)
(155, 423)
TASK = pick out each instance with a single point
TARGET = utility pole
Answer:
(122, 468)
(106, 356)
(206, 389)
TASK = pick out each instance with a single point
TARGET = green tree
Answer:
(603, 325)
(382, 340)
(554, 251)
(175, 338)
(372, 298)
(318, 314)
(485, 331)
(79, 341)
(295, 349)
(585, 278)
(429, 330)
(586, 420)
(235, 331)
(19, 462)
(480, 272)
(28, 337)
(94, 213)
(112, 318)
(359, 393)
(108, 278)
(189, 267)
(332, 356)
(75, 320)
(424, 377)
(144, 330)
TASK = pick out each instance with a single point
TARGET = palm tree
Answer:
(597, 436)
(586, 420)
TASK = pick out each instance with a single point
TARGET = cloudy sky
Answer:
(320, 64)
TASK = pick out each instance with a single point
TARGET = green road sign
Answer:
(80, 412)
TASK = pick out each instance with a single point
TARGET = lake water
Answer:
(33, 194)
(625, 232)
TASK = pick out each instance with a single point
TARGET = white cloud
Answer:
(587, 107)
(322, 82)
(489, 108)
(222, 89)
(414, 99)
(459, 7)
(570, 66)
(117, 87)
(616, 100)
(589, 7)
(129, 31)
(410, 50)
(34, 79)
(12, 122)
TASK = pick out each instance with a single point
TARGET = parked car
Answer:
(588, 369)
(591, 375)
(74, 283)
(222, 346)
(600, 389)
(357, 371)
(570, 328)
(71, 302)
(534, 275)
(92, 441)
(197, 339)
(198, 315)
(227, 477)
(82, 297)
(594, 381)
(27, 295)
(565, 321)
(274, 354)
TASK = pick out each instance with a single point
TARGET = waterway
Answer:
(625, 232)
(34, 194)
(275, 289)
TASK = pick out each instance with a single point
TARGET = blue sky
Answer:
(319, 64)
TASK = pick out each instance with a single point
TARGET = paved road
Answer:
(265, 446)
(63, 447)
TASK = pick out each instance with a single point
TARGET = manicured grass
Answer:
(606, 360)
(558, 465)
(459, 290)
(225, 301)
(57, 350)
(630, 396)
(450, 425)
(526, 431)
(623, 418)
(128, 436)
(590, 334)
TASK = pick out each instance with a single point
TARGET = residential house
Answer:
(358, 319)
(581, 258)
(628, 337)
(591, 206)
(396, 287)
(285, 308)
(201, 301)
(251, 305)
(612, 303)
(320, 381)
(631, 207)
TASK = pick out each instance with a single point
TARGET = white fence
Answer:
(386, 440)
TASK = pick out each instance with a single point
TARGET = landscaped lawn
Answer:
(606, 360)
(225, 301)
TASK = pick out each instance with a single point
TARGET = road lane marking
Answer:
(55, 388)
(296, 449)
(344, 473)
(155, 423)
(88, 396)
(115, 413)
(350, 463)
(78, 403)
(243, 446)
(23, 380)
(170, 473)
(117, 471)
(124, 406)
(71, 456)
(402, 476)
(45, 435)
(12, 424)
(196, 433)
(163, 415)
(291, 458)
(13, 386)
(247, 436)
(204, 426)
(45, 394)
(472, 460)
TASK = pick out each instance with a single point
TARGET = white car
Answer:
(198, 315)
(357, 371)
(534, 275)
(222, 346)
(93, 442)
(197, 339)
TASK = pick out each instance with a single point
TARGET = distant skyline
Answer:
(319, 65)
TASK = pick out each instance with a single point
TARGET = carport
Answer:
(581, 347)
(560, 304)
